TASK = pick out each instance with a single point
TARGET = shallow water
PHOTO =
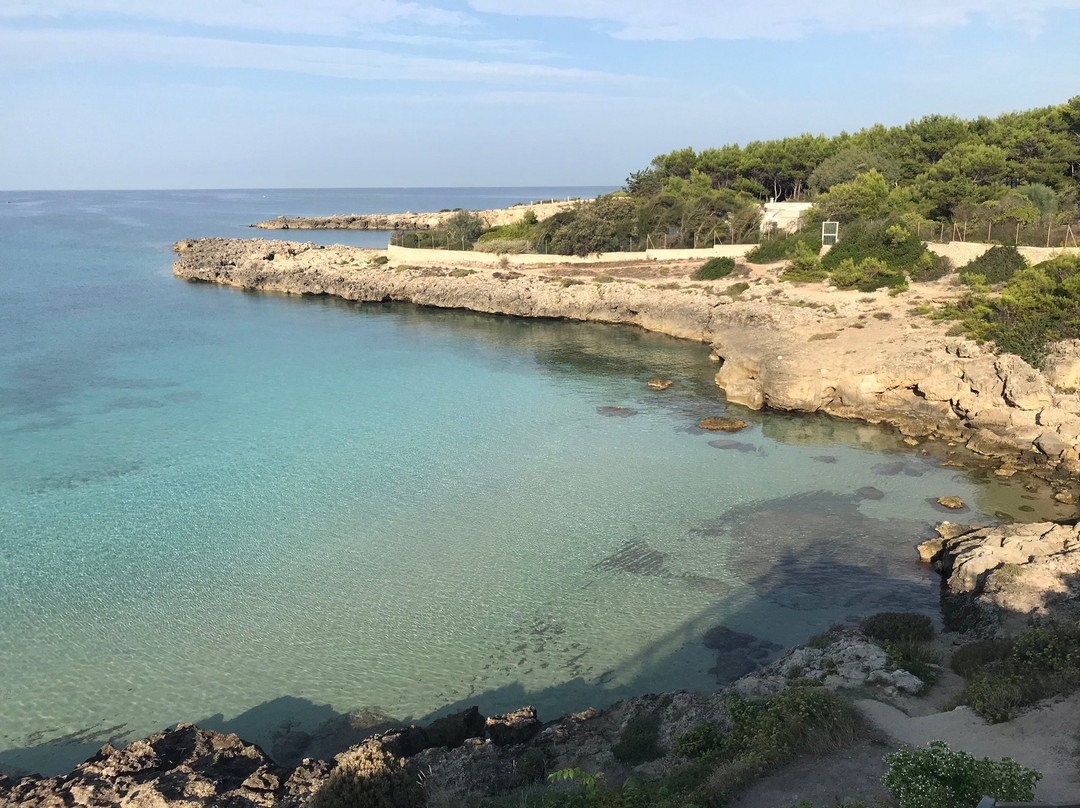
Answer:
(261, 512)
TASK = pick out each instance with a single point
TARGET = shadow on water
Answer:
(837, 571)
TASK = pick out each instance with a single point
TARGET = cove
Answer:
(262, 513)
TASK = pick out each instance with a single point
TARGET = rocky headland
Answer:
(799, 347)
(411, 221)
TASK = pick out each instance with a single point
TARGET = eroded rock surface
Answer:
(997, 577)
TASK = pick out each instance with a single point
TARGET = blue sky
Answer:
(347, 93)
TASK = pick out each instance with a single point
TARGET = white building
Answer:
(783, 216)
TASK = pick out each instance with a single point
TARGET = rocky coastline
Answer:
(927, 384)
(868, 357)
(463, 758)
(410, 221)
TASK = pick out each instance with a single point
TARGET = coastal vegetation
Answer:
(1024, 308)
(1006, 675)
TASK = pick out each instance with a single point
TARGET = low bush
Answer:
(898, 627)
(715, 268)
(1041, 662)
(777, 249)
(981, 657)
(735, 289)
(703, 741)
(935, 776)
(930, 267)
(638, 740)
(1036, 306)
(805, 266)
(504, 246)
(866, 276)
(996, 265)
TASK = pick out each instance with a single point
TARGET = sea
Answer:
(280, 515)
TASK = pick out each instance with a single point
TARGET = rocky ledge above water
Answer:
(994, 579)
(779, 345)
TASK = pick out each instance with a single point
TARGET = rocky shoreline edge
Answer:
(993, 579)
(786, 346)
(495, 217)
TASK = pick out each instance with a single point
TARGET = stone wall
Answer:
(457, 258)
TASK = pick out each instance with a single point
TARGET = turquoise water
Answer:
(256, 512)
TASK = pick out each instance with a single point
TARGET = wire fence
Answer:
(1009, 233)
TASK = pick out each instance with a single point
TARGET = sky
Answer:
(119, 94)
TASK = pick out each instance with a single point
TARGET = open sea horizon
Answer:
(263, 513)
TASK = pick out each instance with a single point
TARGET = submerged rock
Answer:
(659, 384)
(616, 412)
(718, 423)
(952, 503)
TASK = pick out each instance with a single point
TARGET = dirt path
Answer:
(1044, 738)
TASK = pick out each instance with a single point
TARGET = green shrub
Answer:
(977, 658)
(888, 242)
(379, 260)
(935, 776)
(703, 741)
(866, 276)
(1043, 661)
(638, 740)
(996, 265)
(777, 249)
(805, 266)
(930, 267)
(370, 777)
(735, 289)
(898, 627)
(766, 733)
(715, 268)
(1037, 305)
(915, 657)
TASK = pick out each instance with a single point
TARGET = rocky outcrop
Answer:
(886, 370)
(995, 578)
(182, 766)
(410, 221)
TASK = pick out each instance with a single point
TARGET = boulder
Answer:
(453, 730)
(952, 503)
(1051, 444)
(1062, 366)
(1024, 387)
(988, 443)
(659, 384)
(513, 728)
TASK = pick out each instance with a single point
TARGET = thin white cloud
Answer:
(20, 49)
(779, 19)
(327, 17)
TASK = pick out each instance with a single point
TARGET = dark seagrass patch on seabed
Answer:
(616, 412)
(738, 446)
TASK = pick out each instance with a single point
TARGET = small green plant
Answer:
(777, 249)
(638, 740)
(603, 279)
(715, 268)
(590, 783)
(981, 657)
(735, 289)
(898, 627)
(462, 273)
(935, 776)
(378, 260)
